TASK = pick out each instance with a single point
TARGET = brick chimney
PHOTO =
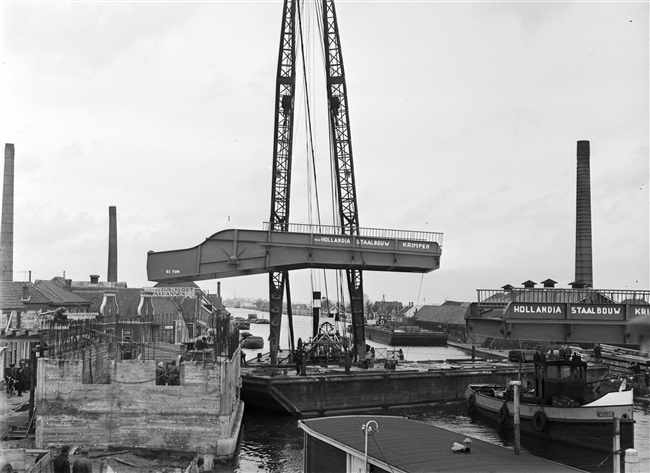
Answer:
(112, 244)
(584, 264)
(7, 225)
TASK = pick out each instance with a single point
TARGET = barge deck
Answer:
(329, 389)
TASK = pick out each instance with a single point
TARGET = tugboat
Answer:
(252, 342)
(561, 406)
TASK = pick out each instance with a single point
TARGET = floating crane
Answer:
(282, 246)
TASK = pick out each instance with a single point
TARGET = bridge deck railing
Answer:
(433, 237)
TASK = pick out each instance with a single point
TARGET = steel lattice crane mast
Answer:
(282, 247)
(282, 155)
(342, 147)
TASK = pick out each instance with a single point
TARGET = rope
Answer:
(382, 453)
(420, 289)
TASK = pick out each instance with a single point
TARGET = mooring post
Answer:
(617, 445)
(632, 461)
(516, 385)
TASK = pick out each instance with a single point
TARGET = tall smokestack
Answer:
(7, 226)
(584, 264)
(112, 245)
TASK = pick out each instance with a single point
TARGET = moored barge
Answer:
(330, 389)
(405, 336)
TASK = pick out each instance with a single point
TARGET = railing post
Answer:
(516, 385)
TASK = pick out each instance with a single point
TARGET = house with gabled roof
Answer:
(166, 313)
(24, 306)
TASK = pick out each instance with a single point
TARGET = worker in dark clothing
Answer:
(82, 464)
(18, 376)
(348, 362)
(61, 462)
(25, 375)
(298, 357)
(598, 352)
(10, 380)
(173, 375)
(161, 378)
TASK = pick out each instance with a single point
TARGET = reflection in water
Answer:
(268, 443)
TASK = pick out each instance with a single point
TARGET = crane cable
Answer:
(340, 297)
(309, 145)
(311, 160)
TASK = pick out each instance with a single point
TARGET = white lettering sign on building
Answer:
(641, 311)
(554, 311)
(593, 311)
(172, 291)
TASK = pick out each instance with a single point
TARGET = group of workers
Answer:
(168, 375)
(202, 344)
(17, 379)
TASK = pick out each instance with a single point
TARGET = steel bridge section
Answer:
(236, 252)
(562, 315)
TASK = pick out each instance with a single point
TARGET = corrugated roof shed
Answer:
(405, 445)
(450, 312)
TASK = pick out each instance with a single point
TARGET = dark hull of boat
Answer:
(336, 391)
(408, 339)
(253, 343)
(590, 433)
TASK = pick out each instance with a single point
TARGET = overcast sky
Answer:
(464, 120)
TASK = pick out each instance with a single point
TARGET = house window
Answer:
(190, 330)
(127, 334)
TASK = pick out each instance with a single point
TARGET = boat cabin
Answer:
(561, 381)
(392, 444)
